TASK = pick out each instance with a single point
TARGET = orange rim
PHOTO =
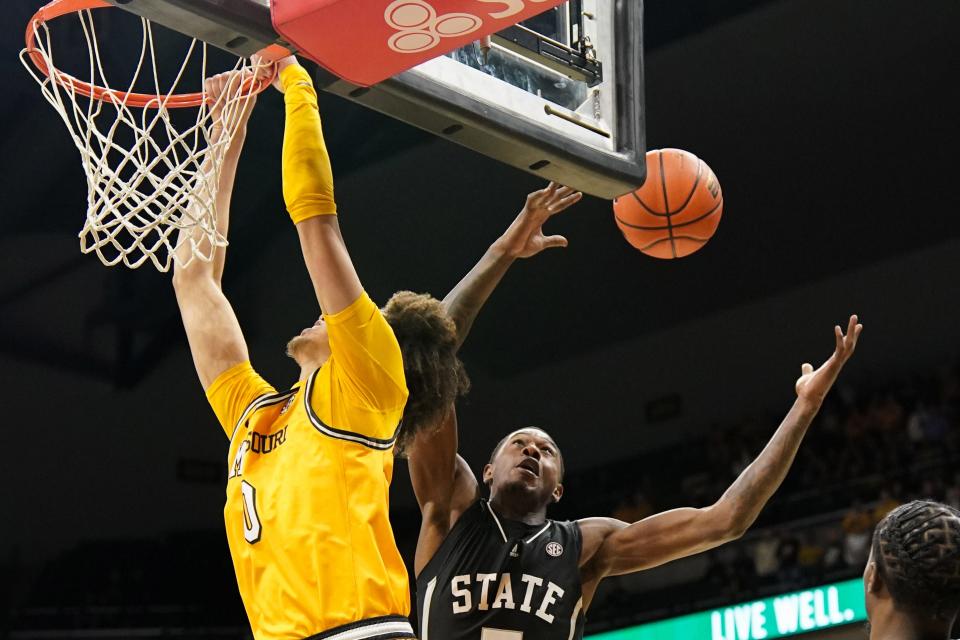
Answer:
(58, 8)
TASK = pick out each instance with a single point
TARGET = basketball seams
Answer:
(648, 209)
(666, 204)
(706, 215)
(702, 241)
(696, 183)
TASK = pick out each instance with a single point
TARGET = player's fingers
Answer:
(220, 85)
(852, 324)
(838, 336)
(565, 203)
(545, 195)
(231, 84)
(806, 368)
(853, 336)
(261, 67)
(550, 242)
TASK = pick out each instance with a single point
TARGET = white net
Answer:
(152, 164)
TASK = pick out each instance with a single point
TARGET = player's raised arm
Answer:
(612, 547)
(442, 480)
(524, 238)
(216, 341)
(308, 192)
(443, 484)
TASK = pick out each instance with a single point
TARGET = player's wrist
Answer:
(809, 405)
(293, 73)
(504, 248)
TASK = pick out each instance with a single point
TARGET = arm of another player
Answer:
(216, 341)
(524, 238)
(443, 484)
(612, 547)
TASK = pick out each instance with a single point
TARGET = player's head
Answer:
(435, 376)
(914, 568)
(527, 467)
(312, 346)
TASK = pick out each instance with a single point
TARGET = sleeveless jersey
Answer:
(308, 483)
(495, 579)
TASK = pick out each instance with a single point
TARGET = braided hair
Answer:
(917, 552)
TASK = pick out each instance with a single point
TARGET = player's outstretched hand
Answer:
(813, 385)
(524, 237)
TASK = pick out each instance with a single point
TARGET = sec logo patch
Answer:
(554, 549)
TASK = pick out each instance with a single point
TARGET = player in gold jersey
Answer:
(309, 468)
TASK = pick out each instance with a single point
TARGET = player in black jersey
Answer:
(912, 580)
(498, 569)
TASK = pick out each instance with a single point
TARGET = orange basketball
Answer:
(676, 211)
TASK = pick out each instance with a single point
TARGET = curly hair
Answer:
(917, 551)
(435, 376)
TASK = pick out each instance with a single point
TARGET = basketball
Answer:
(676, 211)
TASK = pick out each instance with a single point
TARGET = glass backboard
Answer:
(559, 95)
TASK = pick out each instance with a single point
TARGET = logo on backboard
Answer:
(420, 28)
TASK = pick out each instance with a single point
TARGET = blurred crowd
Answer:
(868, 451)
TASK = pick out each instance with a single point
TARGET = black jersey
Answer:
(495, 579)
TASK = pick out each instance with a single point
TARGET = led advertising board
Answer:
(781, 616)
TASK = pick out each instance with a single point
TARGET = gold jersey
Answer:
(308, 488)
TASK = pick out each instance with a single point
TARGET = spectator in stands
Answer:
(915, 423)
(766, 561)
(856, 541)
(886, 504)
(810, 554)
(743, 570)
(833, 549)
(787, 554)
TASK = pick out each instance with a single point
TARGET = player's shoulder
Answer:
(593, 533)
(240, 374)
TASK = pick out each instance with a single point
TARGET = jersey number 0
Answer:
(251, 519)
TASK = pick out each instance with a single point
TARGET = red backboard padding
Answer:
(366, 41)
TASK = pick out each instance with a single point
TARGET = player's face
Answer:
(528, 461)
(312, 346)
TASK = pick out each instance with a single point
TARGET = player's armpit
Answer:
(233, 392)
(656, 540)
(365, 356)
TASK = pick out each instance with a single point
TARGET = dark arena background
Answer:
(832, 126)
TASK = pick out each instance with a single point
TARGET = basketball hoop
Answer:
(151, 178)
